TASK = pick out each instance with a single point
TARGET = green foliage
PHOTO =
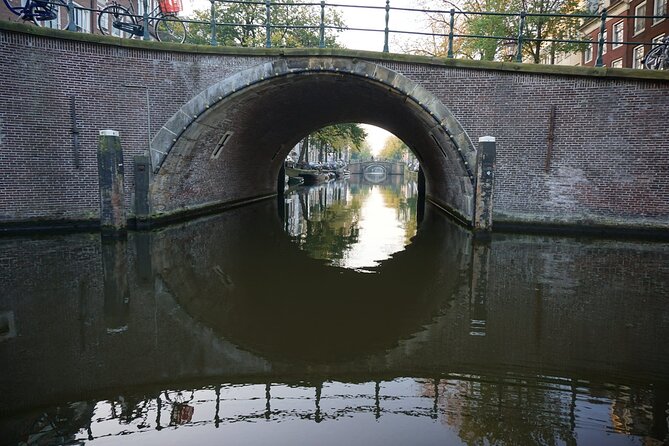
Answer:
(505, 28)
(293, 24)
(339, 136)
(487, 25)
(334, 139)
(394, 150)
(363, 153)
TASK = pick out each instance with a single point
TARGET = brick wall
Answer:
(609, 164)
(610, 160)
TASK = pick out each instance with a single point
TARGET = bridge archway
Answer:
(228, 143)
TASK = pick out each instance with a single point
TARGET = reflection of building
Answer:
(624, 25)
(632, 411)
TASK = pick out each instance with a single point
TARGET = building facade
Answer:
(632, 27)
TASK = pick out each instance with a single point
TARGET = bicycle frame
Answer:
(36, 10)
(137, 29)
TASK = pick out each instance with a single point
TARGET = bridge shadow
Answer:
(230, 297)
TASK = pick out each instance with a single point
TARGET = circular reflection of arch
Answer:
(228, 143)
(239, 274)
(375, 173)
(375, 177)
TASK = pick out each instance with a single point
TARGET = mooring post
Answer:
(115, 280)
(281, 192)
(481, 252)
(110, 174)
(142, 170)
(485, 174)
(420, 206)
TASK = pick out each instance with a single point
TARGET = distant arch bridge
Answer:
(378, 167)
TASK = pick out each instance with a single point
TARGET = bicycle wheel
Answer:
(115, 20)
(654, 59)
(170, 29)
(16, 7)
(54, 16)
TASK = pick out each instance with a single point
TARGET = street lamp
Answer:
(510, 48)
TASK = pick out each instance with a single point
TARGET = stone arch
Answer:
(226, 145)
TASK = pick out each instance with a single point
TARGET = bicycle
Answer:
(658, 57)
(164, 25)
(39, 12)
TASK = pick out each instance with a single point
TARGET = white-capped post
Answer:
(485, 175)
(110, 173)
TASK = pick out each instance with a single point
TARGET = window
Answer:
(600, 38)
(618, 63)
(618, 34)
(659, 9)
(638, 57)
(53, 24)
(104, 19)
(639, 23)
(140, 7)
(82, 19)
(587, 54)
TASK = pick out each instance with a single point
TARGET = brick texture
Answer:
(609, 164)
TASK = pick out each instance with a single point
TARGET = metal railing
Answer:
(519, 39)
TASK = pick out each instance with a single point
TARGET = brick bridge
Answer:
(575, 146)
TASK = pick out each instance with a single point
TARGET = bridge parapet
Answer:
(388, 167)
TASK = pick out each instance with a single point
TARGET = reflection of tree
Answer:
(403, 196)
(331, 221)
(511, 412)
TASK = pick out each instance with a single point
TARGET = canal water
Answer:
(334, 317)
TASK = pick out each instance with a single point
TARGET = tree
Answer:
(394, 149)
(537, 27)
(363, 153)
(333, 139)
(293, 24)
(505, 27)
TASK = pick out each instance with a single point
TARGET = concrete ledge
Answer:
(184, 214)
(557, 70)
(500, 226)
(48, 226)
(594, 230)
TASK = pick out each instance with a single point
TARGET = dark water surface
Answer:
(346, 322)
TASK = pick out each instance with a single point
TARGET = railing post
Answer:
(600, 46)
(145, 20)
(450, 34)
(521, 26)
(387, 30)
(213, 23)
(268, 24)
(70, 15)
(321, 41)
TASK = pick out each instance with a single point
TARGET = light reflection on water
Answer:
(245, 329)
(452, 409)
(372, 220)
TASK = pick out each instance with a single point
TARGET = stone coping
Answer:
(558, 70)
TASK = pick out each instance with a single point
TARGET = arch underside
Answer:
(228, 143)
